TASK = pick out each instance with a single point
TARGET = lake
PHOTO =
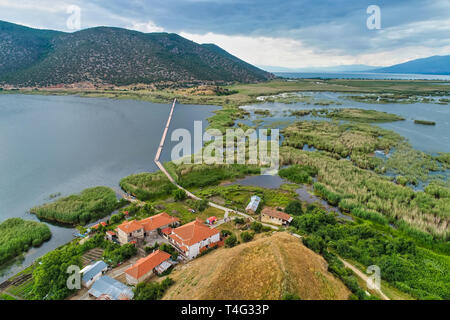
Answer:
(361, 75)
(64, 144)
(431, 139)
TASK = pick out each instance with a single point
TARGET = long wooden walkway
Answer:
(190, 194)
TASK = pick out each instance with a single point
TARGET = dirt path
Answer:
(190, 194)
(362, 276)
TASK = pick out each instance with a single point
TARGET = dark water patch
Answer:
(65, 144)
(305, 194)
(263, 181)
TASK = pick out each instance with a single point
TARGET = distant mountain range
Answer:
(332, 69)
(430, 65)
(113, 56)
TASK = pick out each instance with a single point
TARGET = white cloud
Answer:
(284, 52)
(147, 27)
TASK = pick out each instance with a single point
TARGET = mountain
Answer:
(263, 269)
(341, 68)
(113, 56)
(430, 65)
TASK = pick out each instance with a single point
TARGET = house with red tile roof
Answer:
(145, 229)
(193, 238)
(104, 224)
(273, 216)
(144, 268)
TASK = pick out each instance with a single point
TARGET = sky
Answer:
(282, 33)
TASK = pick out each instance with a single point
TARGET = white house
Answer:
(193, 238)
(146, 229)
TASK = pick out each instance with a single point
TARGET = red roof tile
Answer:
(130, 226)
(158, 221)
(271, 212)
(148, 224)
(147, 264)
(192, 233)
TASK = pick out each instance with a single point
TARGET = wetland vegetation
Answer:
(90, 205)
(18, 235)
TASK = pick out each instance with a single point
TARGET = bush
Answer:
(231, 241)
(116, 218)
(315, 243)
(199, 205)
(152, 290)
(179, 195)
(116, 253)
(247, 236)
(225, 233)
(294, 208)
(147, 186)
(239, 220)
(299, 173)
(256, 226)
(291, 296)
(170, 250)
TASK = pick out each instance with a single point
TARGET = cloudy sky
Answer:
(285, 33)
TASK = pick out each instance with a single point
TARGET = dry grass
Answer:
(266, 268)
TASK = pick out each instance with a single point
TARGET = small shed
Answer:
(253, 204)
(93, 272)
(113, 289)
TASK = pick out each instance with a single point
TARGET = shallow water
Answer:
(64, 144)
(304, 193)
(431, 139)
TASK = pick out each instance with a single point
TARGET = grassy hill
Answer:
(267, 268)
(113, 56)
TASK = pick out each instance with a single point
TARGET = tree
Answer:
(179, 195)
(247, 236)
(239, 220)
(256, 226)
(152, 290)
(231, 241)
(294, 208)
(200, 205)
(225, 233)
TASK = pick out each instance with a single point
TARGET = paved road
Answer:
(362, 276)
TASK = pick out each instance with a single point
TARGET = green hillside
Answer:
(104, 56)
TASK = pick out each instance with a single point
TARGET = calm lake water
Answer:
(52, 144)
(431, 139)
(361, 75)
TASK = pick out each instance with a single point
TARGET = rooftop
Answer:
(192, 233)
(147, 264)
(92, 270)
(107, 286)
(271, 212)
(148, 224)
(130, 226)
(157, 221)
(254, 203)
